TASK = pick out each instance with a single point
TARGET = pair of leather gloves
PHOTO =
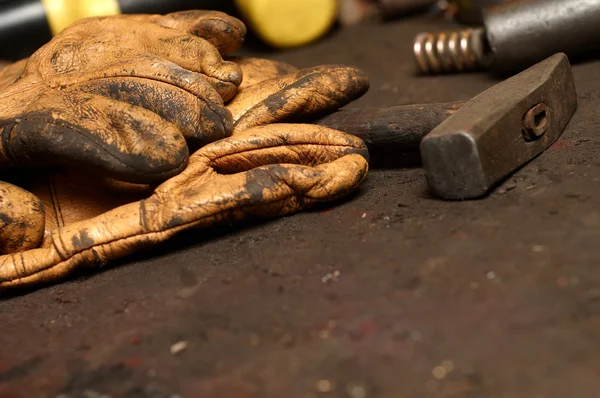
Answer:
(123, 131)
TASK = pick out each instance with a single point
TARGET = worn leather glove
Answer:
(118, 96)
(107, 92)
(257, 173)
(265, 169)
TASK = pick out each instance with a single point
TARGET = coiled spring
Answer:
(451, 51)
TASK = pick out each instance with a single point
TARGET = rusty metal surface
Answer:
(496, 133)
(391, 294)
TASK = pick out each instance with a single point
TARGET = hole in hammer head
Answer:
(540, 118)
(535, 122)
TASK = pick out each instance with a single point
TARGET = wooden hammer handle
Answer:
(398, 128)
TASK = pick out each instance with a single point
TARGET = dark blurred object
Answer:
(355, 11)
(23, 28)
(166, 6)
(470, 12)
(398, 8)
(513, 37)
(467, 12)
(351, 12)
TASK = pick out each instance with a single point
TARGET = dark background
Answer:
(492, 298)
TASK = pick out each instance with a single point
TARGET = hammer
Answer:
(467, 148)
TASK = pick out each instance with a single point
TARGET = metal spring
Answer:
(451, 51)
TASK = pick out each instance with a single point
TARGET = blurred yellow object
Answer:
(62, 13)
(289, 23)
(279, 23)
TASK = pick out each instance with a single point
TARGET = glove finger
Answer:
(265, 191)
(110, 137)
(216, 120)
(141, 47)
(22, 219)
(307, 93)
(305, 144)
(200, 74)
(194, 54)
(279, 190)
(196, 120)
(256, 70)
(265, 171)
(223, 31)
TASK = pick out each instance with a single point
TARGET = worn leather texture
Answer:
(99, 124)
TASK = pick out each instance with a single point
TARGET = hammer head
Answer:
(499, 130)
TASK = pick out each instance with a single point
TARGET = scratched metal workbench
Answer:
(391, 293)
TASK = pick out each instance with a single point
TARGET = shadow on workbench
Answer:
(185, 239)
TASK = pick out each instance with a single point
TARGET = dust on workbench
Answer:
(390, 293)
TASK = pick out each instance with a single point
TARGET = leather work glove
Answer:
(106, 92)
(259, 173)
(63, 218)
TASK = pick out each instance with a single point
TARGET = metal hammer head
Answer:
(499, 130)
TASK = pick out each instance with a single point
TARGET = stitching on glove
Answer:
(143, 221)
(6, 139)
(51, 184)
(62, 256)
(23, 270)
(60, 249)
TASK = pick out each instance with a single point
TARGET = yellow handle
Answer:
(289, 23)
(62, 13)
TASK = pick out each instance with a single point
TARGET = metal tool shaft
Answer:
(514, 36)
(521, 33)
